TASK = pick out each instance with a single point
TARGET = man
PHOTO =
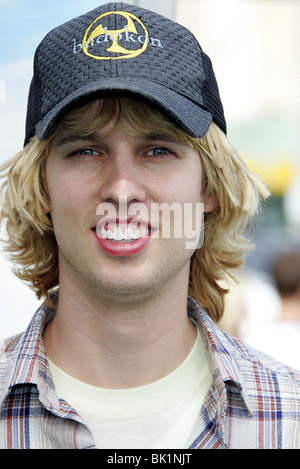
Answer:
(125, 120)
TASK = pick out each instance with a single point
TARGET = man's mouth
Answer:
(122, 232)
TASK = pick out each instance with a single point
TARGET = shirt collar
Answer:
(26, 358)
(222, 351)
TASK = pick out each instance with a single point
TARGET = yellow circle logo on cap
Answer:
(114, 41)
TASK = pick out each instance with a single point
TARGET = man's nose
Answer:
(123, 179)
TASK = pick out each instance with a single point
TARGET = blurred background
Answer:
(255, 49)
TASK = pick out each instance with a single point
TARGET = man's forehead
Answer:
(101, 117)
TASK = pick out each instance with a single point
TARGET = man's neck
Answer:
(117, 347)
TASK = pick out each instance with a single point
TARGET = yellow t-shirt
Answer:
(155, 416)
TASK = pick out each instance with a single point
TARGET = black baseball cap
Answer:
(123, 50)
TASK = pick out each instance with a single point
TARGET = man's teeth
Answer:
(127, 234)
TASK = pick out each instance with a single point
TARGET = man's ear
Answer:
(211, 203)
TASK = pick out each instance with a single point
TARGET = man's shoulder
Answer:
(9, 352)
(237, 360)
(260, 395)
(9, 347)
(262, 371)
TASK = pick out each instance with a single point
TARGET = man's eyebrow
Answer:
(69, 138)
(160, 136)
(94, 136)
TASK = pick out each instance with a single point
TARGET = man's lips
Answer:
(123, 230)
(122, 239)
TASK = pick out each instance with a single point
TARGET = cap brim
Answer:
(190, 116)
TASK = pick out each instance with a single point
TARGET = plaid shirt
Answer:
(254, 401)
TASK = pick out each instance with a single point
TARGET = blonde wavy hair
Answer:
(30, 239)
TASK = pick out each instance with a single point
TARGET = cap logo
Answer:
(102, 42)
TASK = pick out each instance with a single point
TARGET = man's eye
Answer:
(86, 152)
(159, 151)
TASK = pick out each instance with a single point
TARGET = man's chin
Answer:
(127, 294)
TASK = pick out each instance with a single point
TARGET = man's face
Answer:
(122, 257)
